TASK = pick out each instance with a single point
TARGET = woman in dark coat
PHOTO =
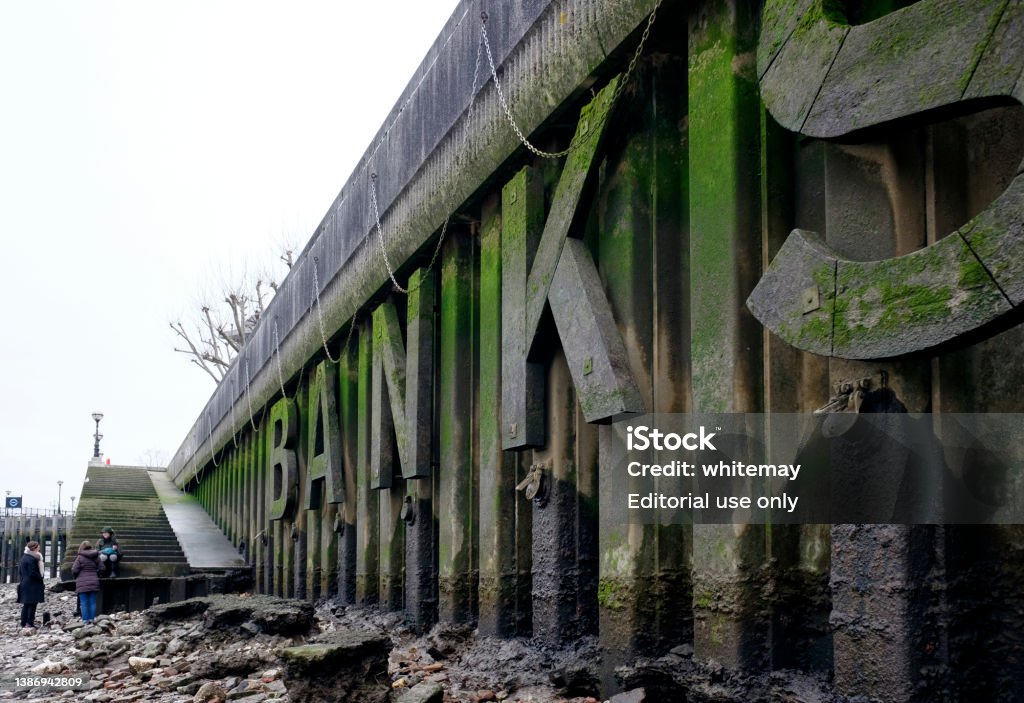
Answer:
(86, 571)
(30, 583)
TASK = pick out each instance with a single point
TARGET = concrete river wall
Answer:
(766, 201)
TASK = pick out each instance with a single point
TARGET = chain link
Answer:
(320, 314)
(277, 351)
(577, 141)
(348, 339)
(234, 438)
(209, 440)
(319, 310)
(485, 45)
(574, 144)
(380, 240)
(248, 396)
(280, 372)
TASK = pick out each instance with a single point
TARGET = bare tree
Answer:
(153, 458)
(218, 332)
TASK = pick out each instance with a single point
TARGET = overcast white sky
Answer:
(148, 149)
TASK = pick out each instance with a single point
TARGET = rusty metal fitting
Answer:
(534, 485)
(407, 514)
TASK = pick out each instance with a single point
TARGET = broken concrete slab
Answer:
(426, 692)
(340, 649)
(268, 614)
(344, 666)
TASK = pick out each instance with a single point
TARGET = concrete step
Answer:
(139, 536)
(136, 547)
(180, 559)
(124, 498)
(120, 520)
(134, 537)
(127, 544)
(120, 494)
(141, 533)
(120, 507)
(118, 485)
(122, 516)
(118, 510)
(129, 540)
(167, 550)
(119, 530)
(202, 540)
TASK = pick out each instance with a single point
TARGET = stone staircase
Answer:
(124, 498)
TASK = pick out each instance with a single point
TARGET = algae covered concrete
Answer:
(725, 343)
(697, 250)
(204, 545)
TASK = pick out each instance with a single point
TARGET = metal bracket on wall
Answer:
(407, 514)
(534, 486)
(846, 401)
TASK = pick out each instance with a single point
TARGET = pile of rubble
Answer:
(129, 657)
(260, 649)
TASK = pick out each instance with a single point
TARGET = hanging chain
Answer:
(320, 314)
(577, 141)
(348, 339)
(380, 240)
(280, 371)
(573, 145)
(209, 440)
(248, 396)
(319, 310)
(277, 349)
(234, 439)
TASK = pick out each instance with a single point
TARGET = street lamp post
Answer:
(60, 484)
(72, 506)
(97, 416)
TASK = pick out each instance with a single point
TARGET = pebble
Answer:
(127, 659)
(210, 692)
(47, 667)
(140, 664)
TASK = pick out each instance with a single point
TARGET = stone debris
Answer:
(422, 693)
(210, 692)
(258, 649)
(344, 665)
(140, 664)
(199, 652)
(47, 668)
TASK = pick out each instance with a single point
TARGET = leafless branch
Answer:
(220, 332)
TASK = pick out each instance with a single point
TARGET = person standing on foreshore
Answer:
(30, 585)
(86, 571)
